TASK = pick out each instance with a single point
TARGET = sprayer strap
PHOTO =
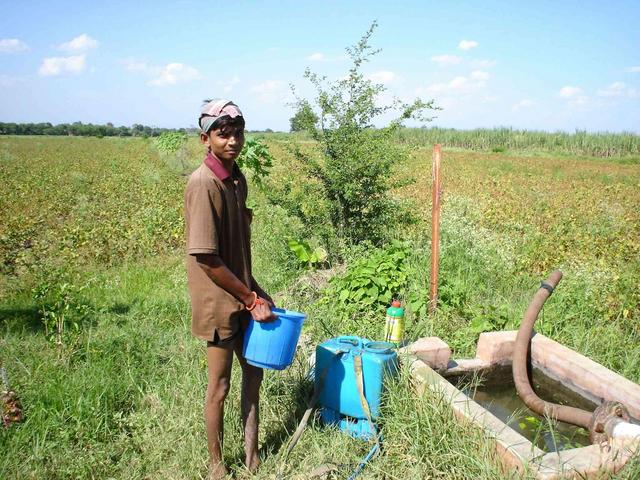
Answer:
(375, 450)
(357, 367)
(547, 287)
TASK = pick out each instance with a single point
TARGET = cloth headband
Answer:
(212, 111)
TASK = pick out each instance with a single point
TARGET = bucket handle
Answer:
(352, 339)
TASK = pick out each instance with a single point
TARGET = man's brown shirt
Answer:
(217, 222)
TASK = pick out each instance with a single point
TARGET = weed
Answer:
(307, 256)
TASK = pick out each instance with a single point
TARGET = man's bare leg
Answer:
(219, 361)
(249, 405)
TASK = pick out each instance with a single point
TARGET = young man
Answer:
(223, 292)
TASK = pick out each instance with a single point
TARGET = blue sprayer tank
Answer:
(339, 398)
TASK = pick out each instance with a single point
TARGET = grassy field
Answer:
(91, 233)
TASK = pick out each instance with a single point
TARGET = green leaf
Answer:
(300, 249)
(416, 304)
(480, 324)
(385, 297)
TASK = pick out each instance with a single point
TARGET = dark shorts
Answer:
(223, 342)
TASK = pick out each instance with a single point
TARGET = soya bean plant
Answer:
(170, 142)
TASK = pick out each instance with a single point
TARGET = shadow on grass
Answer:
(300, 393)
(29, 318)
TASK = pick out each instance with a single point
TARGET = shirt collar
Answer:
(216, 166)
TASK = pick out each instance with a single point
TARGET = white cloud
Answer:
(570, 92)
(446, 59)
(574, 95)
(13, 45)
(467, 44)
(54, 66)
(458, 85)
(616, 89)
(524, 103)
(174, 73)
(480, 75)
(635, 69)
(81, 43)
(383, 76)
(483, 63)
(321, 57)
(166, 75)
(271, 91)
(619, 89)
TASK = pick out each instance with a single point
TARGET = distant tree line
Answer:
(85, 129)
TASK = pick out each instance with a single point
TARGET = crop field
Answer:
(604, 144)
(95, 317)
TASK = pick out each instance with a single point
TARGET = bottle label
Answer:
(394, 329)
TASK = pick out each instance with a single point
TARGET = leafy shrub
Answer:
(255, 157)
(371, 282)
(59, 307)
(357, 158)
(305, 201)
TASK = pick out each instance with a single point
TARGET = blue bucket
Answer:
(273, 344)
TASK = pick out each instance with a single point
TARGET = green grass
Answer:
(122, 398)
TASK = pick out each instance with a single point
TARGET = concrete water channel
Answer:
(480, 390)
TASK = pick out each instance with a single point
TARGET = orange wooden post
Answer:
(435, 229)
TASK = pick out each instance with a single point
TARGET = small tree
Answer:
(357, 158)
(305, 118)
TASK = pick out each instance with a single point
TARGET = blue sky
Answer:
(560, 65)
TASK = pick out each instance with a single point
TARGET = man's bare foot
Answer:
(217, 472)
(252, 462)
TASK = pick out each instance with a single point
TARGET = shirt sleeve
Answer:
(201, 218)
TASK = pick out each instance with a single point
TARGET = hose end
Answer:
(554, 279)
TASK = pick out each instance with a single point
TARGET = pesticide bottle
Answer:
(394, 325)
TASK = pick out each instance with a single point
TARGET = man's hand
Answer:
(259, 307)
(262, 311)
(218, 272)
(261, 293)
